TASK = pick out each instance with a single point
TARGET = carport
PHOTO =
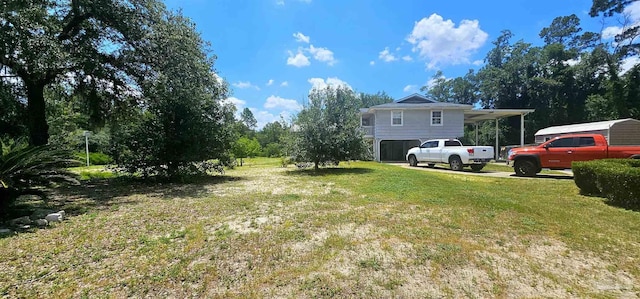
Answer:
(477, 116)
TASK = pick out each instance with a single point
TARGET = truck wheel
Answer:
(413, 161)
(455, 163)
(524, 168)
(431, 165)
(477, 167)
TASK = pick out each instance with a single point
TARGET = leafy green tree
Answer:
(271, 138)
(440, 89)
(184, 122)
(12, 112)
(367, 100)
(248, 119)
(328, 128)
(45, 42)
(245, 147)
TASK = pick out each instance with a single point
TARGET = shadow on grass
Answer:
(104, 193)
(328, 171)
(616, 204)
(547, 176)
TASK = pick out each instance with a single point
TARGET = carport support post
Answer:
(521, 129)
(477, 133)
(497, 141)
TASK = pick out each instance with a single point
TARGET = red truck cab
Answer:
(559, 152)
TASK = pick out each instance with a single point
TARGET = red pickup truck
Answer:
(559, 152)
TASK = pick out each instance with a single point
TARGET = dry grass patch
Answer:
(362, 230)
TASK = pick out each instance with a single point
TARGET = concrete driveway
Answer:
(442, 168)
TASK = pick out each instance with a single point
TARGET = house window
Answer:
(436, 118)
(396, 118)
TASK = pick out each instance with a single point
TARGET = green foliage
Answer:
(585, 176)
(247, 118)
(245, 147)
(285, 161)
(273, 150)
(24, 168)
(94, 158)
(73, 46)
(615, 179)
(367, 100)
(328, 129)
(184, 122)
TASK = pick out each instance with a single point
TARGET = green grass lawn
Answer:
(363, 229)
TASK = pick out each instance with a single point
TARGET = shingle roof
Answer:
(419, 101)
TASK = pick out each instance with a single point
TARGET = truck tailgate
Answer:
(481, 152)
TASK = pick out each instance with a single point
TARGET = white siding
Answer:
(416, 125)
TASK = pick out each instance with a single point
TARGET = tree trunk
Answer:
(38, 127)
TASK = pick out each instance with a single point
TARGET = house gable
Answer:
(416, 99)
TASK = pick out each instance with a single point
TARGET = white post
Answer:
(521, 129)
(86, 143)
(497, 142)
(476, 133)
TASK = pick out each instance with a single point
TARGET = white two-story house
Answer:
(394, 128)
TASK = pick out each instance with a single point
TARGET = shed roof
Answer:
(584, 127)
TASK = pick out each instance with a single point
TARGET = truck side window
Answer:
(451, 143)
(587, 141)
(562, 142)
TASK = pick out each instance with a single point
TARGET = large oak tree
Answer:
(86, 44)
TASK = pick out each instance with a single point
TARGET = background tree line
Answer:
(574, 77)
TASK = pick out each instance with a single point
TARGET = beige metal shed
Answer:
(618, 132)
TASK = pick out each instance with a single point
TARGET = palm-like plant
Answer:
(25, 169)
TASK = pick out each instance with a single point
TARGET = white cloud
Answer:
(301, 38)
(298, 60)
(280, 2)
(270, 82)
(407, 58)
(278, 102)
(243, 85)
(265, 117)
(410, 88)
(633, 11)
(611, 32)
(440, 42)
(236, 102)
(632, 15)
(372, 62)
(628, 63)
(284, 84)
(322, 54)
(333, 82)
(571, 62)
(218, 78)
(386, 56)
(478, 62)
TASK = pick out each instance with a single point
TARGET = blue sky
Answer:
(272, 52)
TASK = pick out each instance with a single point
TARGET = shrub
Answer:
(95, 158)
(584, 175)
(99, 159)
(615, 179)
(24, 168)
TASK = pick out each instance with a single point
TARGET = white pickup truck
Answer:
(452, 152)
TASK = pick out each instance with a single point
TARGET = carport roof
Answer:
(478, 115)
